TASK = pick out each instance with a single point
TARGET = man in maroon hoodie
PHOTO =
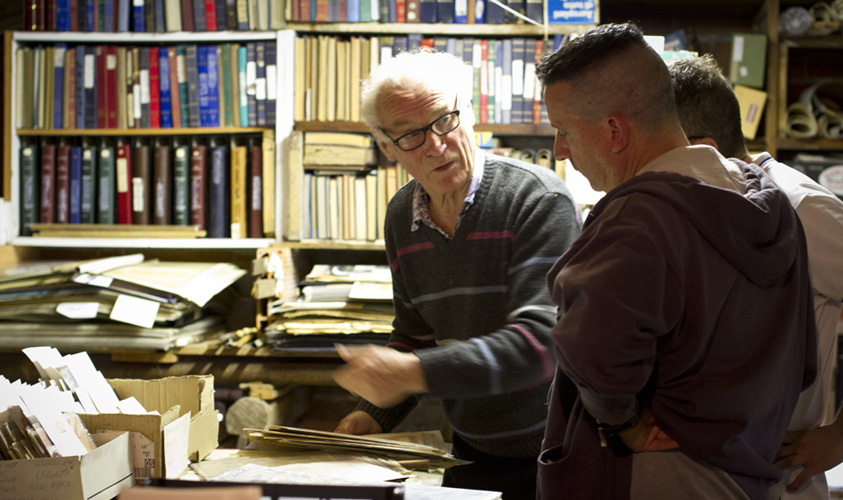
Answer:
(685, 331)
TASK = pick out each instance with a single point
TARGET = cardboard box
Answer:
(98, 475)
(172, 397)
(749, 60)
(752, 104)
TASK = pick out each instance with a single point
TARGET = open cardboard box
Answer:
(172, 397)
(98, 475)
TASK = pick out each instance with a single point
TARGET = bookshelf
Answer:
(264, 139)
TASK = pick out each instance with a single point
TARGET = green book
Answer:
(181, 186)
(89, 187)
(226, 85)
(29, 191)
(106, 186)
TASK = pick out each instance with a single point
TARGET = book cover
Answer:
(537, 87)
(517, 6)
(88, 198)
(63, 184)
(235, 84)
(239, 186)
(143, 58)
(268, 182)
(222, 15)
(181, 186)
(165, 99)
(91, 15)
(79, 88)
(505, 89)
(518, 48)
(255, 191)
(75, 184)
(58, 84)
(199, 20)
(494, 13)
(90, 88)
(110, 86)
(208, 86)
(198, 188)
(242, 83)
(163, 185)
(108, 19)
(479, 11)
(191, 61)
(210, 15)
(62, 15)
(141, 183)
(123, 14)
(138, 16)
(102, 94)
(445, 11)
(149, 12)
(412, 12)
(187, 16)
(461, 11)
(226, 103)
(136, 108)
(219, 212)
(122, 88)
(123, 167)
(154, 89)
(252, 83)
(242, 15)
(483, 76)
(260, 83)
(175, 88)
(491, 80)
(353, 11)
(29, 189)
(271, 83)
(172, 15)
(427, 11)
(48, 183)
(534, 9)
(106, 186)
(70, 90)
(181, 75)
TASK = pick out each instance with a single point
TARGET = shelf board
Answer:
(97, 132)
(808, 144)
(153, 38)
(819, 42)
(543, 130)
(506, 30)
(181, 243)
(330, 245)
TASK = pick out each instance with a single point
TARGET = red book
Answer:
(63, 184)
(401, 11)
(255, 198)
(34, 15)
(50, 16)
(102, 88)
(484, 81)
(48, 179)
(175, 95)
(70, 83)
(154, 90)
(111, 85)
(74, 15)
(321, 10)
(124, 184)
(426, 43)
(187, 15)
(198, 191)
(304, 8)
(210, 15)
(343, 8)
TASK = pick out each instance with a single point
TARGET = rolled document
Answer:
(830, 126)
(825, 19)
(801, 123)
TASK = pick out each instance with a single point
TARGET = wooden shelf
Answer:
(809, 144)
(151, 38)
(98, 132)
(330, 245)
(174, 243)
(503, 129)
(507, 30)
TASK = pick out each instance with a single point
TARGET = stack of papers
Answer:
(118, 302)
(335, 304)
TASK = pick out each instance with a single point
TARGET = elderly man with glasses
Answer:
(469, 240)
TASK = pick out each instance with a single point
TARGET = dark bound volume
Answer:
(28, 189)
(198, 189)
(219, 211)
(141, 184)
(124, 184)
(181, 186)
(48, 182)
(163, 185)
(255, 198)
(63, 184)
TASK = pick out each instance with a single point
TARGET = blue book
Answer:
(123, 15)
(159, 17)
(353, 11)
(75, 185)
(219, 213)
(413, 41)
(165, 101)
(494, 13)
(80, 86)
(191, 58)
(199, 21)
(62, 15)
(260, 83)
(427, 11)
(445, 11)
(400, 44)
(58, 85)
(213, 87)
(221, 19)
(90, 15)
(242, 61)
(333, 12)
(107, 15)
(461, 11)
(138, 17)
(534, 9)
(271, 91)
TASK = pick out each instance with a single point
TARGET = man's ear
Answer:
(619, 132)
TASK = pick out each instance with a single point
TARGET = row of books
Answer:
(441, 11)
(152, 16)
(215, 184)
(505, 89)
(178, 86)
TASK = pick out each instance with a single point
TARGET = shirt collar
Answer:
(421, 207)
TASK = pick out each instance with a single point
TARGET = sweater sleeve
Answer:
(518, 354)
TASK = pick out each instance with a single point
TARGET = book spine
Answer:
(154, 89)
(63, 184)
(110, 85)
(75, 184)
(242, 65)
(141, 185)
(88, 191)
(191, 62)
(29, 190)
(255, 192)
(106, 189)
(58, 85)
(48, 183)
(181, 186)
(239, 174)
(162, 191)
(272, 83)
(138, 16)
(219, 213)
(187, 16)
(164, 88)
(124, 184)
(175, 88)
(198, 189)
(260, 83)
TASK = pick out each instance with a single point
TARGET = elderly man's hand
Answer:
(380, 375)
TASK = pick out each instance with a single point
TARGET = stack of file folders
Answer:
(118, 302)
(335, 304)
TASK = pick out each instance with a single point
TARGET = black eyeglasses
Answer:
(440, 126)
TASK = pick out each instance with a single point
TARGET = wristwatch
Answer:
(607, 431)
